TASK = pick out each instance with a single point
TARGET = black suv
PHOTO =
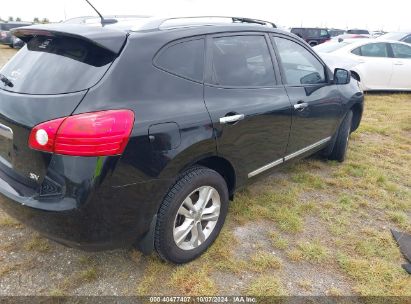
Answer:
(313, 36)
(5, 35)
(116, 137)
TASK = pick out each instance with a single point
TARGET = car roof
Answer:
(309, 28)
(160, 23)
(138, 23)
(360, 42)
(112, 36)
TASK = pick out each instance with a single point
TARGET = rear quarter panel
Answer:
(156, 97)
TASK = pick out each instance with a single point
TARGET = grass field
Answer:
(313, 228)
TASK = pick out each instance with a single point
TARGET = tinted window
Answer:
(324, 33)
(373, 50)
(313, 32)
(334, 33)
(358, 32)
(56, 65)
(357, 51)
(401, 51)
(296, 31)
(185, 59)
(300, 66)
(242, 61)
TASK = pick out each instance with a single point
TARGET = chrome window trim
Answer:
(288, 157)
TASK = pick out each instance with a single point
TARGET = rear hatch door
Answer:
(47, 79)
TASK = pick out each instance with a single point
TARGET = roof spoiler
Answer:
(112, 40)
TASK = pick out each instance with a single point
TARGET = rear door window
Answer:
(56, 65)
(185, 59)
(372, 50)
(401, 51)
(242, 61)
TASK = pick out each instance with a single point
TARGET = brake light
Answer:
(91, 134)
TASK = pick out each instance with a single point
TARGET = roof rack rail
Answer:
(250, 20)
(175, 22)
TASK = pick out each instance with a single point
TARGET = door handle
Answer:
(398, 63)
(300, 106)
(231, 119)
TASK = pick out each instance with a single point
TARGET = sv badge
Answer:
(34, 177)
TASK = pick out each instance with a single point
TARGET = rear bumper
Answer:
(98, 218)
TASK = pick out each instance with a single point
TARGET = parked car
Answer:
(5, 35)
(313, 36)
(349, 36)
(359, 32)
(145, 134)
(336, 32)
(378, 64)
(17, 43)
(377, 34)
(398, 36)
(328, 52)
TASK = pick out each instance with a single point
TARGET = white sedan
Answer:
(377, 64)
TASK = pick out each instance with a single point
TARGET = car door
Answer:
(401, 59)
(249, 108)
(316, 102)
(375, 65)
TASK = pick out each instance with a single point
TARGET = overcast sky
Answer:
(393, 15)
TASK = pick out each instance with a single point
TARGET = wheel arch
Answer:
(224, 168)
(357, 110)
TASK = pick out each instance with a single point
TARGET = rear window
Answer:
(185, 59)
(358, 32)
(56, 65)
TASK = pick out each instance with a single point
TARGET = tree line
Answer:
(18, 19)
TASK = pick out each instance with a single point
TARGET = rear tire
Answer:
(191, 215)
(339, 150)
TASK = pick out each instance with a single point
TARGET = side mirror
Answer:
(342, 76)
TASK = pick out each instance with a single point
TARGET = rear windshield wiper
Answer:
(6, 81)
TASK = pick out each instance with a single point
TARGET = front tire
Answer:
(191, 215)
(339, 150)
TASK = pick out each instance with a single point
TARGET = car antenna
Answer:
(103, 20)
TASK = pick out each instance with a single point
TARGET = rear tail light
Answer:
(91, 134)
